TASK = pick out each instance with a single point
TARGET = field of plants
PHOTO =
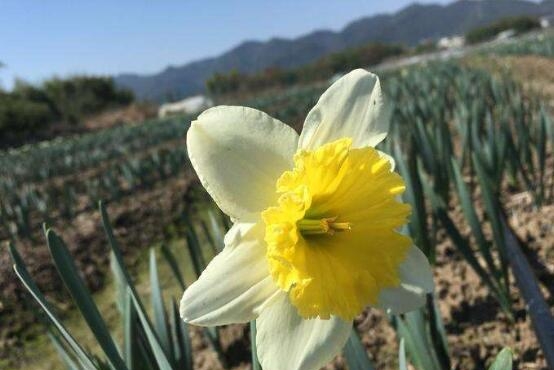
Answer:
(475, 150)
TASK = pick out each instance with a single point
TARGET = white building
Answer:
(191, 105)
(547, 21)
(452, 42)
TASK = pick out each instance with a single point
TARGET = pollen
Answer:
(332, 238)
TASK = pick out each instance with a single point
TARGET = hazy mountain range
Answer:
(408, 26)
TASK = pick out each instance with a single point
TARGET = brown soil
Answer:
(136, 112)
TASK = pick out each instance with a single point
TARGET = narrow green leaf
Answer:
(503, 360)
(21, 271)
(402, 361)
(172, 262)
(120, 284)
(355, 353)
(253, 349)
(492, 207)
(140, 331)
(130, 332)
(194, 247)
(160, 317)
(181, 340)
(65, 356)
(82, 298)
(159, 354)
(471, 215)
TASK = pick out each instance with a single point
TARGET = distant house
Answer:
(452, 42)
(191, 105)
(547, 21)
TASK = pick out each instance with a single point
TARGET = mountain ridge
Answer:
(409, 25)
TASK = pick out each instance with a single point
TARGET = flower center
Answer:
(322, 226)
(332, 240)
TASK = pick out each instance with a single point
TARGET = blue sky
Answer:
(40, 38)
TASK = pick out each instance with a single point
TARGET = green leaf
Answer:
(468, 209)
(65, 356)
(172, 262)
(139, 310)
(160, 317)
(194, 247)
(412, 327)
(503, 360)
(82, 298)
(159, 354)
(130, 333)
(492, 208)
(21, 271)
(402, 361)
(181, 340)
(253, 350)
(355, 353)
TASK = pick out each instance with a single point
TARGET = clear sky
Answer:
(42, 38)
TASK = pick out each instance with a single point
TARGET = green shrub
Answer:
(19, 115)
(30, 108)
(79, 96)
(518, 24)
(322, 69)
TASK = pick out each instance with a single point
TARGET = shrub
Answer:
(518, 24)
(19, 115)
(323, 68)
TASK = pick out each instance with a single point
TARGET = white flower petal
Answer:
(351, 107)
(238, 154)
(236, 284)
(417, 280)
(286, 341)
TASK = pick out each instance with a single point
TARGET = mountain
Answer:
(408, 26)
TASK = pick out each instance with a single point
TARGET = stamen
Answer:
(322, 226)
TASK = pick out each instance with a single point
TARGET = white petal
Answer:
(351, 107)
(417, 280)
(235, 285)
(286, 341)
(238, 154)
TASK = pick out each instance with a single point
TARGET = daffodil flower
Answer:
(316, 225)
